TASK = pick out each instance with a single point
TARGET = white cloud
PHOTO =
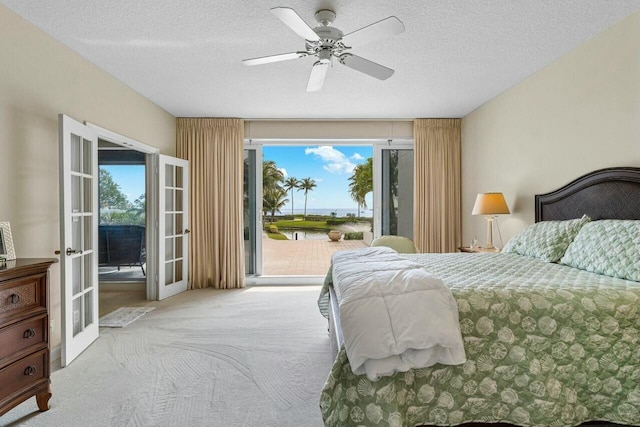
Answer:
(284, 172)
(357, 156)
(334, 161)
(318, 179)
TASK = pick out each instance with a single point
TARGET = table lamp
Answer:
(490, 205)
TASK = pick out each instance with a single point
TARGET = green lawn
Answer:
(299, 224)
(277, 236)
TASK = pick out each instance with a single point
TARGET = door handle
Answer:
(57, 252)
(187, 231)
(73, 251)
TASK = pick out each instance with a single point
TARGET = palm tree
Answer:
(271, 175)
(272, 178)
(307, 184)
(289, 184)
(361, 183)
(273, 200)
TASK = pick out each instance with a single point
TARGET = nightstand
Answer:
(477, 250)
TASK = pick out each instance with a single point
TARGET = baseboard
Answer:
(55, 354)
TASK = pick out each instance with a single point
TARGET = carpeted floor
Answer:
(252, 357)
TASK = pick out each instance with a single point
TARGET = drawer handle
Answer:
(30, 371)
(14, 298)
(29, 333)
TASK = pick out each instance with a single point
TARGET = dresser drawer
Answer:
(21, 294)
(23, 335)
(23, 373)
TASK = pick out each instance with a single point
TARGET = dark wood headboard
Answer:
(612, 193)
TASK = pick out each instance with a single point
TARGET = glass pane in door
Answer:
(168, 273)
(88, 308)
(76, 275)
(168, 182)
(76, 231)
(88, 271)
(87, 157)
(397, 192)
(75, 153)
(77, 321)
(249, 213)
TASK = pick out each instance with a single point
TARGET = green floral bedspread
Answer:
(547, 345)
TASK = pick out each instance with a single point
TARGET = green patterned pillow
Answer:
(546, 240)
(610, 247)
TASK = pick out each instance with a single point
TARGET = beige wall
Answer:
(40, 78)
(579, 114)
(328, 129)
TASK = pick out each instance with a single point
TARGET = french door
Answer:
(78, 236)
(79, 220)
(173, 226)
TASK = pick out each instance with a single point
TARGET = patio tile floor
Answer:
(301, 257)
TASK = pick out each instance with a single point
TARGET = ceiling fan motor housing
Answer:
(328, 44)
(328, 33)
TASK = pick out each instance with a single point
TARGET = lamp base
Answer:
(489, 244)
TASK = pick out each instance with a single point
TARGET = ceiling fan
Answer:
(326, 42)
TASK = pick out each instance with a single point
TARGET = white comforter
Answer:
(395, 316)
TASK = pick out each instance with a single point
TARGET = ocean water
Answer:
(340, 212)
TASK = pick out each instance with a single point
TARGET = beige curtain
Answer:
(436, 212)
(214, 148)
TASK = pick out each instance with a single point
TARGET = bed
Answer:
(547, 344)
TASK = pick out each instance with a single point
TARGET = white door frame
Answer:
(151, 168)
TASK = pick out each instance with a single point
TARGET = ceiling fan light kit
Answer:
(326, 42)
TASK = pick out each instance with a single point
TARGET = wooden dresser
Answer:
(24, 332)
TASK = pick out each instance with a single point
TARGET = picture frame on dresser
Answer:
(7, 251)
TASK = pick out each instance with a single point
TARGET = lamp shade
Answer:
(490, 204)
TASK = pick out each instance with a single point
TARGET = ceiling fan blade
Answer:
(316, 78)
(388, 27)
(365, 66)
(274, 58)
(297, 24)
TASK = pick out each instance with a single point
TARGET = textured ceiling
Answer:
(454, 55)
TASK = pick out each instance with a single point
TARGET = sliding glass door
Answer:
(332, 188)
(393, 190)
(252, 212)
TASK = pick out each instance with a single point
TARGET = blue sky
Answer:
(131, 179)
(329, 166)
